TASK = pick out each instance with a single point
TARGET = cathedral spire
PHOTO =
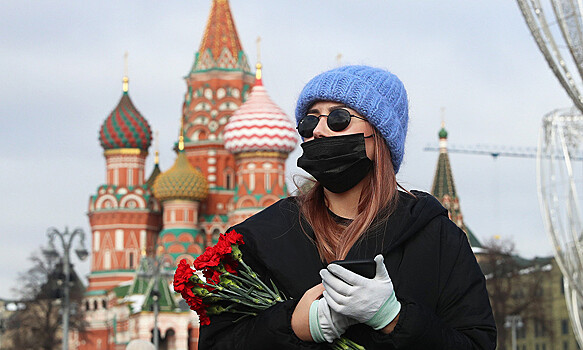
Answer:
(443, 184)
(126, 79)
(444, 188)
(220, 46)
(258, 66)
(156, 171)
(181, 136)
(157, 146)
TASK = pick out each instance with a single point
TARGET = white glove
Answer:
(325, 323)
(368, 300)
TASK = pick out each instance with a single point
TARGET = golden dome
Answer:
(182, 181)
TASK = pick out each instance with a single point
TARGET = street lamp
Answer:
(66, 238)
(514, 322)
(156, 270)
(3, 326)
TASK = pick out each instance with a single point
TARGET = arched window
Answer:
(251, 181)
(203, 235)
(267, 182)
(107, 260)
(96, 240)
(94, 304)
(228, 181)
(215, 235)
(104, 303)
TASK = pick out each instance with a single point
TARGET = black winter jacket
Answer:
(435, 275)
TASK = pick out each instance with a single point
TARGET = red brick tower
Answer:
(261, 136)
(124, 216)
(218, 83)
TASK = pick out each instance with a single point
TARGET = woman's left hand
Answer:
(300, 321)
(368, 300)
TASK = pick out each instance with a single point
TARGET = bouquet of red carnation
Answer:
(229, 281)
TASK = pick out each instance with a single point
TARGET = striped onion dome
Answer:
(260, 125)
(125, 127)
(182, 181)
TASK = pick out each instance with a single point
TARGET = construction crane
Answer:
(496, 151)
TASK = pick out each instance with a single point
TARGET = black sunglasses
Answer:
(337, 120)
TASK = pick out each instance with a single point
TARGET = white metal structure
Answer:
(567, 14)
(560, 180)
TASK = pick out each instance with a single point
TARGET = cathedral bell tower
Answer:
(123, 214)
(217, 84)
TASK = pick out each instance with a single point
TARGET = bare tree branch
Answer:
(39, 288)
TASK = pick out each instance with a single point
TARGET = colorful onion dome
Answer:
(260, 125)
(182, 181)
(125, 127)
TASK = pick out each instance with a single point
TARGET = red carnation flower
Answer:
(212, 276)
(195, 303)
(233, 237)
(231, 266)
(203, 318)
(207, 259)
(182, 277)
(222, 247)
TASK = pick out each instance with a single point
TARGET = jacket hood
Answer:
(413, 214)
(409, 218)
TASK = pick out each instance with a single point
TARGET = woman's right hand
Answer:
(300, 321)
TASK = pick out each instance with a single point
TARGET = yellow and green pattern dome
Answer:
(182, 181)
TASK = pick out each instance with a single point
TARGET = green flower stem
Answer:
(230, 308)
(262, 287)
(254, 297)
(243, 302)
(249, 281)
(243, 312)
(254, 276)
(253, 294)
(253, 302)
(241, 293)
(346, 344)
(222, 290)
(252, 284)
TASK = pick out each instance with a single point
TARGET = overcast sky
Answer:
(61, 65)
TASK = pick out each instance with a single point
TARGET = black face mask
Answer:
(337, 162)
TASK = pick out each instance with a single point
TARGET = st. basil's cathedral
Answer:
(231, 152)
(230, 163)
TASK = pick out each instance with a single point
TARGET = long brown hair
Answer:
(378, 198)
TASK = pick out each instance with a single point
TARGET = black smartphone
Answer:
(365, 267)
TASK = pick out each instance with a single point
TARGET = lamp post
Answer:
(156, 270)
(2, 324)
(66, 238)
(514, 322)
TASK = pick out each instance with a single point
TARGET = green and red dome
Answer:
(125, 127)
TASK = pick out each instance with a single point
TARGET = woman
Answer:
(428, 291)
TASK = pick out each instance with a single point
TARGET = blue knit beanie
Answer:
(376, 94)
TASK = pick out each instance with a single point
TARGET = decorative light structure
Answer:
(561, 140)
(559, 184)
(567, 14)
